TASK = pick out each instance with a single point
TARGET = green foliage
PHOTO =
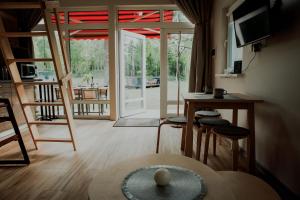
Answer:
(90, 57)
(153, 58)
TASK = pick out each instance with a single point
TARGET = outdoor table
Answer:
(232, 101)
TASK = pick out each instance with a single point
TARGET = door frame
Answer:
(122, 100)
(164, 67)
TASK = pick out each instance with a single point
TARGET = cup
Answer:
(219, 93)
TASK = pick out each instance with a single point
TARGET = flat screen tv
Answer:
(252, 22)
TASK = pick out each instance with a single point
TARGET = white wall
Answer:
(273, 76)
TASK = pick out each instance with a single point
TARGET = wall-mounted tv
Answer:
(252, 21)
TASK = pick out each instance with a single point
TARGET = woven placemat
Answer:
(185, 184)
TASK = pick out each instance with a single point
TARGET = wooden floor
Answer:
(57, 172)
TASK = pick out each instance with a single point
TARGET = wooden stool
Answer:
(234, 133)
(205, 113)
(181, 121)
(207, 124)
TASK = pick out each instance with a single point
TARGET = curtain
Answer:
(199, 13)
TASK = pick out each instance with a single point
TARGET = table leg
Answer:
(184, 128)
(251, 143)
(235, 117)
(189, 130)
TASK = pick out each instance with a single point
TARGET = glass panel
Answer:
(42, 50)
(95, 34)
(138, 16)
(89, 59)
(233, 52)
(88, 17)
(174, 16)
(179, 60)
(133, 58)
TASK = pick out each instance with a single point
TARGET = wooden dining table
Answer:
(231, 101)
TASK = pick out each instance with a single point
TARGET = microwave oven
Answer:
(27, 71)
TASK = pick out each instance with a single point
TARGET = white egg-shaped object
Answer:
(162, 177)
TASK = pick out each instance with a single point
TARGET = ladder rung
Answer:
(30, 60)
(20, 5)
(23, 34)
(5, 119)
(37, 83)
(48, 123)
(43, 104)
(52, 140)
(8, 139)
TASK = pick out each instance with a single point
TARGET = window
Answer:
(233, 53)
(174, 16)
(138, 16)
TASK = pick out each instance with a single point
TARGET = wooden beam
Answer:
(23, 34)
(37, 83)
(29, 60)
(53, 140)
(20, 5)
(8, 139)
(43, 104)
(64, 122)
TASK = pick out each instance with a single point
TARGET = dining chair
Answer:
(78, 96)
(103, 94)
(90, 94)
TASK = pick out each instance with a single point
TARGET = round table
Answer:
(220, 185)
(107, 184)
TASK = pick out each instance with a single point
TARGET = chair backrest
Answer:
(89, 93)
(103, 92)
(57, 93)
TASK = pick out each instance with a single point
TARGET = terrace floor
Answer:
(57, 172)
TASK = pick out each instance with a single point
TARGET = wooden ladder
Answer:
(62, 71)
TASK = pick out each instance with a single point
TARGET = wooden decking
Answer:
(58, 172)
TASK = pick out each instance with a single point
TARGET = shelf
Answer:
(228, 75)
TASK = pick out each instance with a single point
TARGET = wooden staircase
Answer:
(61, 66)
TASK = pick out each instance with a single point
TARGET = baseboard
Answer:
(284, 192)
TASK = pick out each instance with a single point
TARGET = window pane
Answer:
(233, 53)
(174, 16)
(89, 17)
(89, 60)
(42, 50)
(179, 60)
(138, 16)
